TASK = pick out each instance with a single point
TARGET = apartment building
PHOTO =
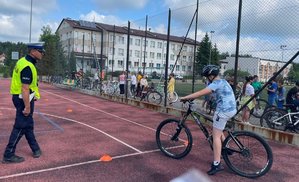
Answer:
(264, 68)
(96, 44)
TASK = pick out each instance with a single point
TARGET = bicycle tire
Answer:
(175, 97)
(171, 145)
(296, 128)
(261, 107)
(154, 97)
(255, 158)
(270, 115)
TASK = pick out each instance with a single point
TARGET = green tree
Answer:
(54, 62)
(203, 54)
(294, 72)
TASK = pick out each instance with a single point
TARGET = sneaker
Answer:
(215, 168)
(13, 159)
(37, 154)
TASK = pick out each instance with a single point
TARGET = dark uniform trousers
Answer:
(24, 125)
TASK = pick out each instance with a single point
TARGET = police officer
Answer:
(24, 90)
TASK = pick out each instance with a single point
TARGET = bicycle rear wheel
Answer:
(173, 139)
(154, 97)
(249, 155)
(270, 115)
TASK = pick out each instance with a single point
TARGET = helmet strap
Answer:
(211, 80)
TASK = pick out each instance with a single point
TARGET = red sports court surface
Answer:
(78, 133)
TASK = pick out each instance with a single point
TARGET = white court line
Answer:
(113, 115)
(87, 162)
(114, 138)
(73, 165)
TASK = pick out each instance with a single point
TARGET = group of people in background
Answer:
(140, 85)
(276, 91)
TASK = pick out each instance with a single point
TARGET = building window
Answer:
(183, 68)
(153, 44)
(171, 66)
(145, 54)
(121, 52)
(172, 46)
(111, 50)
(185, 48)
(177, 68)
(158, 65)
(189, 68)
(151, 65)
(160, 45)
(136, 64)
(152, 55)
(137, 42)
(137, 53)
(159, 56)
(172, 57)
(111, 38)
(121, 40)
(110, 62)
(131, 41)
(120, 63)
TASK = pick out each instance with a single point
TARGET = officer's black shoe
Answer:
(13, 159)
(37, 154)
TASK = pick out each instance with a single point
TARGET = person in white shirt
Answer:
(143, 83)
(133, 83)
(247, 93)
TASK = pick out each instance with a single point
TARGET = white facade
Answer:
(255, 66)
(154, 56)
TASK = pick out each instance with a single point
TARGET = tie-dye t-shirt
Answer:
(225, 97)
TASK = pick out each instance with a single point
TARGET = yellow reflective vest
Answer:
(16, 84)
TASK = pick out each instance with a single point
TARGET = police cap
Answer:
(38, 46)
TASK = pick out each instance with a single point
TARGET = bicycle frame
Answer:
(196, 117)
(289, 116)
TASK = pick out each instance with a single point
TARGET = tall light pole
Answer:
(30, 22)
(282, 49)
(210, 57)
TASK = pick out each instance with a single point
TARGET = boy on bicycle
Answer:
(225, 109)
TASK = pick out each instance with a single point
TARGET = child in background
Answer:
(280, 94)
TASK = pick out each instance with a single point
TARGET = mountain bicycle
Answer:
(244, 152)
(281, 119)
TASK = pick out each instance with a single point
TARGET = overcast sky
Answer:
(266, 24)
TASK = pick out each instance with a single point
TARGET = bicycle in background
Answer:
(281, 119)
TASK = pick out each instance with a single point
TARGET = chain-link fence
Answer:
(184, 38)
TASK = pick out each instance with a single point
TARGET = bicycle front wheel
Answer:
(247, 154)
(173, 139)
(154, 97)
